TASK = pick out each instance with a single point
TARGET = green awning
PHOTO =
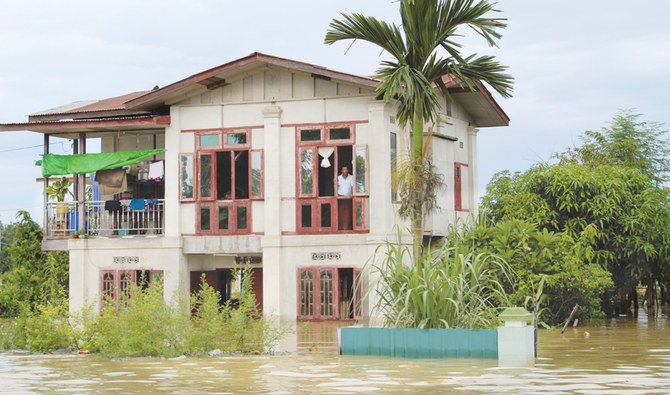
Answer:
(56, 165)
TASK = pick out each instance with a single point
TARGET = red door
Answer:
(318, 294)
(358, 295)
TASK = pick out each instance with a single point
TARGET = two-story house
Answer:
(246, 171)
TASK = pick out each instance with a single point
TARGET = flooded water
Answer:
(617, 357)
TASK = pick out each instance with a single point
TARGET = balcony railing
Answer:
(144, 217)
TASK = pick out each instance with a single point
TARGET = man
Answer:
(345, 188)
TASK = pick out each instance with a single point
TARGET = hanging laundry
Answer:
(156, 170)
(113, 206)
(112, 181)
(125, 203)
(137, 204)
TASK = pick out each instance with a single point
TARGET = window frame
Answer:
(193, 198)
(459, 167)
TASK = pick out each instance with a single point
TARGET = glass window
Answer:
(224, 218)
(340, 134)
(241, 217)
(204, 218)
(186, 176)
(209, 140)
(241, 174)
(306, 172)
(236, 138)
(361, 169)
(326, 215)
(306, 215)
(256, 174)
(205, 176)
(359, 214)
(310, 135)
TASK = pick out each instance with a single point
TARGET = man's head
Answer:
(345, 171)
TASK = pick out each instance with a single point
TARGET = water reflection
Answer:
(619, 357)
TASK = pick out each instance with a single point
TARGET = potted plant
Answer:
(57, 191)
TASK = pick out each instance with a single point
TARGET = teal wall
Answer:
(419, 343)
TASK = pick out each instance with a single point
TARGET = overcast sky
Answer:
(575, 63)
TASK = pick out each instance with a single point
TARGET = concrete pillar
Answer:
(172, 213)
(516, 340)
(380, 208)
(46, 184)
(77, 282)
(472, 168)
(273, 289)
(81, 199)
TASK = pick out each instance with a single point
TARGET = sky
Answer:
(575, 64)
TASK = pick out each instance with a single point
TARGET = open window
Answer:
(186, 177)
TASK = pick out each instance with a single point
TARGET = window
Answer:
(186, 177)
(230, 176)
(117, 285)
(460, 181)
(322, 152)
(209, 140)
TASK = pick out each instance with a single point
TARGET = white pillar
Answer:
(472, 168)
(380, 208)
(172, 215)
(273, 289)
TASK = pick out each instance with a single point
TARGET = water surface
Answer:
(622, 356)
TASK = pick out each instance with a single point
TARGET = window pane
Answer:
(186, 176)
(224, 217)
(310, 135)
(236, 138)
(340, 134)
(241, 217)
(306, 216)
(209, 140)
(306, 176)
(224, 176)
(256, 174)
(205, 176)
(241, 174)
(394, 163)
(359, 214)
(204, 218)
(326, 215)
(361, 169)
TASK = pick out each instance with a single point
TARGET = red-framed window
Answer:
(459, 168)
(330, 293)
(230, 176)
(116, 284)
(321, 151)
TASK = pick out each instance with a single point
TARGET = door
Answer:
(318, 293)
(358, 294)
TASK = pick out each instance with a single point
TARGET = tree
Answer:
(424, 50)
(34, 277)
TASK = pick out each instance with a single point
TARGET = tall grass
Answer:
(445, 287)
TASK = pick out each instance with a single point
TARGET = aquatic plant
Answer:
(446, 287)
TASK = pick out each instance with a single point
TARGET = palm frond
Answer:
(358, 27)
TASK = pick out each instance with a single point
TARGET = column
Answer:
(172, 213)
(81, 199)
(379, 162)
(472, 168)
(273, 287)
(46, 184)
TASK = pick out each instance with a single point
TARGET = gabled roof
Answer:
(213, 76)
(480, 104)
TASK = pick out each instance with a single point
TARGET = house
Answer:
(239, 165)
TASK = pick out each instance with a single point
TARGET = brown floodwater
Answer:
(622, 356)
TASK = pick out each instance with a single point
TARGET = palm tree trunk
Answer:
(417, 204)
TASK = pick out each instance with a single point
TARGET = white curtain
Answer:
(325, 153)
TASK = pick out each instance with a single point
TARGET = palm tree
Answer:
(424, 50)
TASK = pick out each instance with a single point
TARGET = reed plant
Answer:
(445, 287)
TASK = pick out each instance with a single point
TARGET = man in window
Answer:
(345, 187)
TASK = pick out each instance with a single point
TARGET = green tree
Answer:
(34, 277)
(425, 51)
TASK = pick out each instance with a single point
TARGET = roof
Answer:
(89, 108)
(142, 104)
(206, 77)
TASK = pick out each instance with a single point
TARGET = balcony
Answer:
(136, 217)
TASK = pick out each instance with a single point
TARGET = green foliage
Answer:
(44, 330)
(33, 277)
(606, 191)
(446, 287)
(554, 261)
(59, 189)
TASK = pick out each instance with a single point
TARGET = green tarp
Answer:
(56, 165)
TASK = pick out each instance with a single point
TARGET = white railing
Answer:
(145, 217)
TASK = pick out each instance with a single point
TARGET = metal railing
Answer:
(143, 217)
